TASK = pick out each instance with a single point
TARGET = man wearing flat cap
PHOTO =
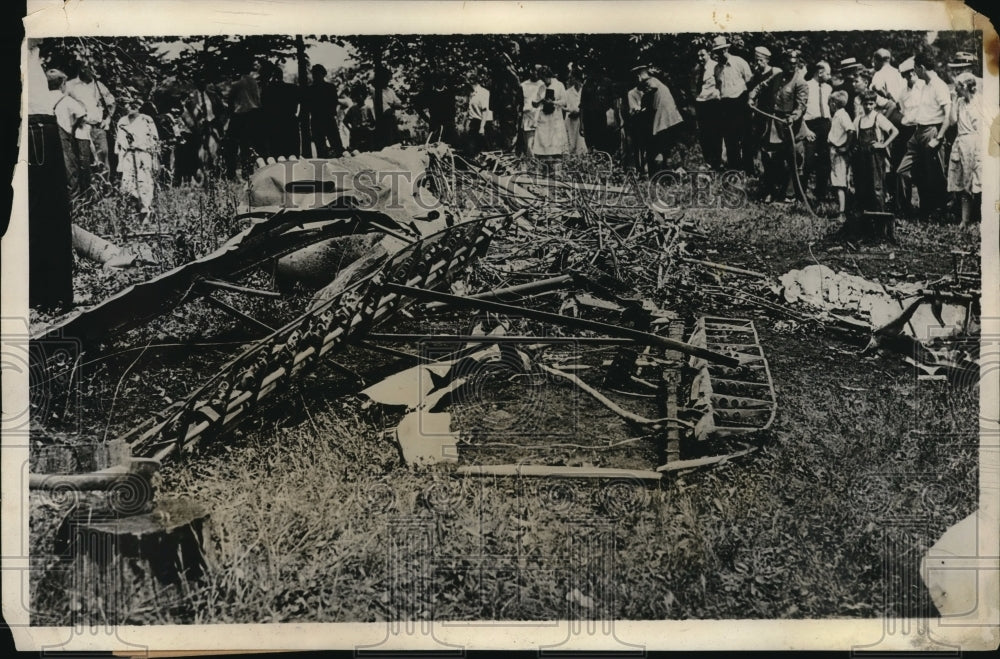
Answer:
(764, 76)
(732, 74)
(782, 147)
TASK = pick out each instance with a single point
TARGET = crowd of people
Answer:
(877, 132)
(883, 138)
(804, 130)
(132, 140)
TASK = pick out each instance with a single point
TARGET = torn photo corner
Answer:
(558, 326)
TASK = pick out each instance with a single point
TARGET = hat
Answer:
(883, 53)
(53, 75)
(719, 42)
(964, 78)
(906, 65)
(54, 79)
(962, 60)
(760, 50)
(849, 64)
(640, 67)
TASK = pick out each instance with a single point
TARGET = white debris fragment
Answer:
(426, 438)
(959, 581)
(821, 287)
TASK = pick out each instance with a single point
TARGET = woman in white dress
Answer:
(550, 141)
(963, 165)
(532, 89)
(137, 145)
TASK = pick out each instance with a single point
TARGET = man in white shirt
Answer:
(732, 74)
(909, 99)
(924, 161)
(100, 105)
(531, 90)
(817, 127)
(887, 82)
(706, 102)
(638, 125)
(889, 86)
(479, 116)
(71, 117)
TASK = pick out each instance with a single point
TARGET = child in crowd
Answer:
(874, 135)
(841, 138)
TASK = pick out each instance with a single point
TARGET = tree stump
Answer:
(67, 457)
(121, 564)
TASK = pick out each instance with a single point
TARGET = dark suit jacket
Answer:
(791, 94)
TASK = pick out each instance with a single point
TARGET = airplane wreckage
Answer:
(387, 238)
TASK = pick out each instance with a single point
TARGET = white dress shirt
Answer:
(934, 103)
(818, 105)
(889, 80)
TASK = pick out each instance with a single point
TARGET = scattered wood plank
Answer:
(607, 402)
(556, 471)
(725, 268)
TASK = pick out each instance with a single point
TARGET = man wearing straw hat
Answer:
(732, 73)
(846, 81)
(964, 62)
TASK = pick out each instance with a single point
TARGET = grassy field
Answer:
(314, 517)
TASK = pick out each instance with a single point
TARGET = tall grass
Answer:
(314, 517)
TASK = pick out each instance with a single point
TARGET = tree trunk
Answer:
(304, 134)
(379, 86)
